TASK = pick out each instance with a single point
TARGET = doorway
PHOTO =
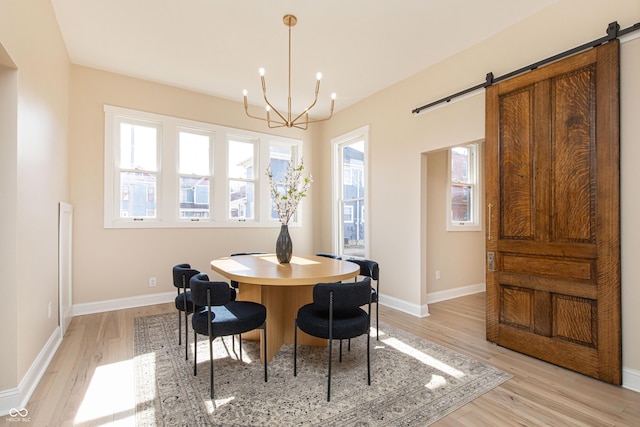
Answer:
(454, 259)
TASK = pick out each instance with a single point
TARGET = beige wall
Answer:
(399, 232)
(37, 181)
(117, 263)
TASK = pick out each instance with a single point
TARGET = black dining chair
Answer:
(328, 255)
(371, 269)
(220, 315)
(336, 313)
(182, 274)
(233, 283)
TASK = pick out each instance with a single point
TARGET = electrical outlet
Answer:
(49, 310)
(152, 282)
(437, 274)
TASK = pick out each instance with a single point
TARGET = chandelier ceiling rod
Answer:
(302, 120)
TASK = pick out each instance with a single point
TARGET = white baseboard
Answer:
(407, 307)
(18, 397)
(434, 297)
(121, 303)
(631, 379)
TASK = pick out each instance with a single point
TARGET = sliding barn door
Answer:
(553, 201)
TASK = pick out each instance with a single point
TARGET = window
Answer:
(194, 174)
(463, 197)
(137, 146)
(242, 179)
(163, 171)
(350, 193)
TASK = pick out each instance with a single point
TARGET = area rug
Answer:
(413, 382)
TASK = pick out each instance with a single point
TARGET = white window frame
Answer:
(337, 182)
(167, 184)
(475, 199)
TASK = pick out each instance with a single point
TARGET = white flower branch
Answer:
(294, 189)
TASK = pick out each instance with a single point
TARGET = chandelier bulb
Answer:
(319, 76)
(333, 95)
(244, 92)
(261, 71)
(267, 108)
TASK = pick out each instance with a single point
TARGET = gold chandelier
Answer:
(301, 121)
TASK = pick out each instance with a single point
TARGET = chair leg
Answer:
(329, 380)
(368, 359)
(179, 328)
(341, 351)
(195, 353)
(186, 334)
(240, 345)
(295, 347)
(264, 332)
(211, 363)
(377, 322)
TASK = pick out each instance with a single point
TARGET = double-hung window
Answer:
(463, 196)
(138, 168)
(194, 174)
(241, 173)
(163, 171)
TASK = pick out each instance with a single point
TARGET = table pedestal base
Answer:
(282, 303)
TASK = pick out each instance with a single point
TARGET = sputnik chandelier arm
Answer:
(301, 121)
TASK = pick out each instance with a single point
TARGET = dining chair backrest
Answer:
(328, 255)
(347, 297)
(182, 274)
(368, 267)
(220, 292)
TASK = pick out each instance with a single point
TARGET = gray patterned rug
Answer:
(413, 382)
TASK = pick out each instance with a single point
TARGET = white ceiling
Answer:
(216, 46)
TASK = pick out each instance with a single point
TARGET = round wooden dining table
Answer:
(282, 289)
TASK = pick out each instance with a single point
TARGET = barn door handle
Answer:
(490, 207)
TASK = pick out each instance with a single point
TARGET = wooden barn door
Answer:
(553, 201)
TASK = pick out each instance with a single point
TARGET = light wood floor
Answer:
(89, 381)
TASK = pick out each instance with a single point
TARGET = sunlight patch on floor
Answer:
(422, 357)
(223, 347)
(213, 405)
(436, 382)
(372, 332)
(110, 396)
